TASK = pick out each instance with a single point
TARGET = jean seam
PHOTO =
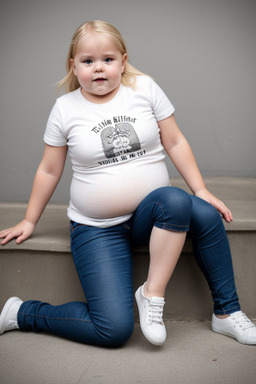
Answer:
(173, 227)
(213, 283)
(54, 318)
(152, 202)
(126, 226)
(165, 224)
(77, 226)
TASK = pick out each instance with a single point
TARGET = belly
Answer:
(115, 192)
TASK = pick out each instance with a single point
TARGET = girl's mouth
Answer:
(100, 79)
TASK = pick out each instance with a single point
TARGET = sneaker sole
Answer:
(221, 332)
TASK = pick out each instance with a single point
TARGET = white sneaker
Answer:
(8, 318)
(237, 325)
(151, 317)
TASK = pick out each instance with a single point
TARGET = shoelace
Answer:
(155, 312)
(242, 320)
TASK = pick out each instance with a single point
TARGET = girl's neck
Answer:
(100, 99)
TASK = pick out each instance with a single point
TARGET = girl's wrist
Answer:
(200, 191)
(30, 222)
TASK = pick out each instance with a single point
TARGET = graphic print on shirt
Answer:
(119, 140)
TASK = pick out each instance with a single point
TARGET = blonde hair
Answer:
(70, 82)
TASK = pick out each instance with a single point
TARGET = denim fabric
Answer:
(103, 260)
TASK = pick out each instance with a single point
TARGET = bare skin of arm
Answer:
(46, 180)
(183, 159)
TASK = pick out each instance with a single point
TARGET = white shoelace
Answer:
(155, 312)
(242, 320)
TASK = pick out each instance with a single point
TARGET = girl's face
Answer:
(98, 66)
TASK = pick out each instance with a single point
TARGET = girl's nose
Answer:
(99, 66)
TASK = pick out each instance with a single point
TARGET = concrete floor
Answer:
(192, 354)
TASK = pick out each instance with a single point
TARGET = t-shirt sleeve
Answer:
(54, 129)
(161, 105)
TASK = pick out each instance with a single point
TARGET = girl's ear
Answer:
(124, 61)
(72, 66)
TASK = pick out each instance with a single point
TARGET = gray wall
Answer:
(201, 52)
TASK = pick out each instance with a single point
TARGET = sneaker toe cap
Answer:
(156, 334)
(251, 336)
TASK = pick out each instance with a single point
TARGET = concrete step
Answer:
(41, 268)
(192, 354)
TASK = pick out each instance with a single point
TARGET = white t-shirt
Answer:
(115, 149)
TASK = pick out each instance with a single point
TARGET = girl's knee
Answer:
(210, 213)
(177, 204)
(205, 217)
(107, 333)
(117, 334)
(214, 220)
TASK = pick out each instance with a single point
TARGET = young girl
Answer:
(115, 122)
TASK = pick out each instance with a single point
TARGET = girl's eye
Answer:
(108, 60)
(88, 61)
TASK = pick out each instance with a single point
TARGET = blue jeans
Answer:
(103, 258)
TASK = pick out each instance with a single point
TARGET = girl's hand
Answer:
(210, 198)
(22, 231)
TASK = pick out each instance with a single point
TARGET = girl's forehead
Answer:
(95, 40)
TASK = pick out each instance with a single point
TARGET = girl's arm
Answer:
(182, 157)
(46, 180)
